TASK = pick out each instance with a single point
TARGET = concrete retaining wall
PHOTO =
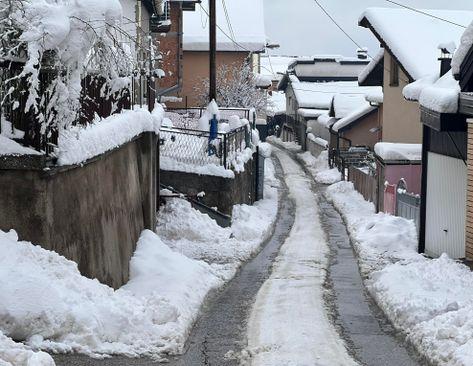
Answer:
(220, 192)
(91, 214)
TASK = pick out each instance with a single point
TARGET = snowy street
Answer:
(300, 301)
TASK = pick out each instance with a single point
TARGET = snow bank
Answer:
(47, 303)
(78, 144)
(319, 168)
(17, 354)
(397, 151)
(10, 147)
(195, 235)
(430, 300)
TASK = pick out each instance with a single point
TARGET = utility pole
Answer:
(213, 51)
(151, 78)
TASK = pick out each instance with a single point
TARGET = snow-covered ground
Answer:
(48, 305)
(430, 300)
(289, 324)
(319, 168)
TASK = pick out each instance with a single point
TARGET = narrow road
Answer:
(222, 326)
(329, 290)
(370, 337)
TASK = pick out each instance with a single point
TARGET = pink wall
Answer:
(411, 173)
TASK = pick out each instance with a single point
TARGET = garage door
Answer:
(446, 206)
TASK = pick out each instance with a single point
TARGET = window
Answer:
(394, 73)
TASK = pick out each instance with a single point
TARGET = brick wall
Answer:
(171, 48)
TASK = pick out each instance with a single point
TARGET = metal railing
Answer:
(193, 147)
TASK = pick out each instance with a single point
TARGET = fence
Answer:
(193, 147)
(353, 157)
(390, 199)
(29, 131)
(365, 182)
(407, 204)
(188, 117)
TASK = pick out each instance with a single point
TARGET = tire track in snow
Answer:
(289, 324)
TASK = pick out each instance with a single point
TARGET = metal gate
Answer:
(446, 206)
(407, 204)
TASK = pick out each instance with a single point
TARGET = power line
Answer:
(338, 25)
(225, 33)
(350, 37)
(229, 23)
(424, 13)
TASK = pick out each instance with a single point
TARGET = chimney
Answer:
(362, 53)
(446, 53)
(445, 62)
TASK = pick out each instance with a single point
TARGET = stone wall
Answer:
(91, 214)
(220, 192)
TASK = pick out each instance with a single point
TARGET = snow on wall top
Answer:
(246, 19)
(465, 45)
(414, 37)
(353, 116)
(371, 66)
(396, 151)
(10, 147)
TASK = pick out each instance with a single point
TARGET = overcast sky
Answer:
(301, 28)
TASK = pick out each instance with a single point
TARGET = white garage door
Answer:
(446, 206)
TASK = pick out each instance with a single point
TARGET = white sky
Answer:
(301, 28)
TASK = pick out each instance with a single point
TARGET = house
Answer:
(410, 40)
(240, 38)
(410, 43)
(170, 27)
(445, 215)
(310, 85)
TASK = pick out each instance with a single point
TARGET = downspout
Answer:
(423, 195)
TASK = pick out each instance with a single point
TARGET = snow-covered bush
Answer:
(236, 88)
(64, 40)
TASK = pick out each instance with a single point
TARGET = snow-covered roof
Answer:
(311, 113)
(375, 96)
(277, 103)
(275, 66)
(246, 18)
(345, 104)
(413, 38)
(397, 151)
(372, 67)
(354, 116)
(442, 96)
(327, 68)
(320, 95)
(466, 43)
(326, 121)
